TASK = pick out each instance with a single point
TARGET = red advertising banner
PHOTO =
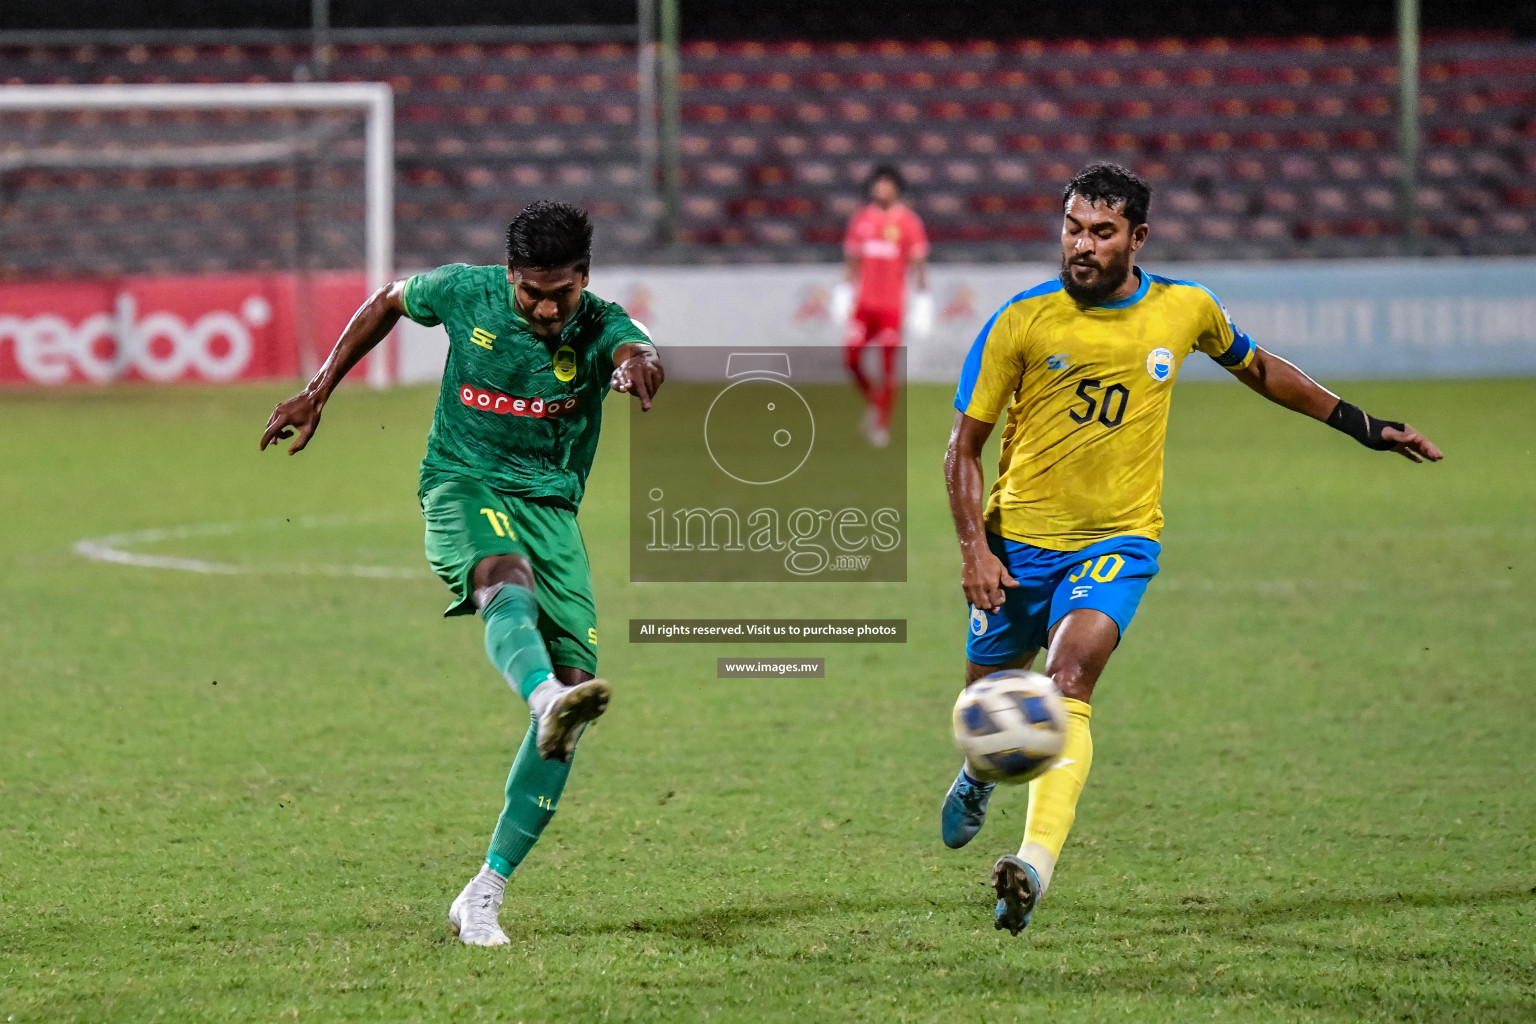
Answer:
(216, 329)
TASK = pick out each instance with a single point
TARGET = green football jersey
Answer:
(517, 413)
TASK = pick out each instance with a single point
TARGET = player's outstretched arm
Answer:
(637, 368)
(1284, 384)
(370, 325)
(982, 574)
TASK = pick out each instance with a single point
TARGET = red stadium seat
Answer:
(1288, 140)
(815, 173)
(1379, 198)
(1280, 200)
(1510, 224)
(1026, 233)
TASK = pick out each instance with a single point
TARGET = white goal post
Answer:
(374, 99)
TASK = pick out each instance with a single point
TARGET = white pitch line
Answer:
(113, 549)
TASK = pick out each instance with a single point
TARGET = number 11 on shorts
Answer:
(503, 528)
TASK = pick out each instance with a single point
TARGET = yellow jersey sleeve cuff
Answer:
(979, 414)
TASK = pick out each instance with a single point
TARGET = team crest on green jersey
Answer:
(565, 363)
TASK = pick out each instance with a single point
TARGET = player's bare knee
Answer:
(496, 571)
(1075, 680)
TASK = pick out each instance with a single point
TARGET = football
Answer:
(1010, 726)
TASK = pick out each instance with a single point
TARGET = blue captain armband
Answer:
(1239, 351)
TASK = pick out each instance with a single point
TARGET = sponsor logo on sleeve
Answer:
(512, 405)
(1160, 364)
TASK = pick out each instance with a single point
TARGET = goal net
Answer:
(189, 231)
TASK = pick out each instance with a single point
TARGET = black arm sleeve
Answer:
(1352, 420)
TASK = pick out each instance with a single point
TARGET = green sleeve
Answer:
(429, 296)
(620, 328)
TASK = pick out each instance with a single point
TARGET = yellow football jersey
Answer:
(1087, 391)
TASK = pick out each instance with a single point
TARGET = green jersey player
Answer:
(531, 355)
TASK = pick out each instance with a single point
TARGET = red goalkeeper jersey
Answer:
(888, 240)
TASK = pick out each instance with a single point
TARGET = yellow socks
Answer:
(1053, 796)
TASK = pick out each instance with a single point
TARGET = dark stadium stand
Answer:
(1257, 149)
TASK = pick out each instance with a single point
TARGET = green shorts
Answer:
(467, 521)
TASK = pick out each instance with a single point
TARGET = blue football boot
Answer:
(1018, 890)
(965, 810)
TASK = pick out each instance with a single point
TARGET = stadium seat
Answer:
(1328, 198)
(1291, 141)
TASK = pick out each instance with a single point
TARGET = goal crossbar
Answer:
(375, 99)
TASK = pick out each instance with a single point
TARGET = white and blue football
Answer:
(1011, 726)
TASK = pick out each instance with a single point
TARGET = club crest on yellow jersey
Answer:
(1160, 364)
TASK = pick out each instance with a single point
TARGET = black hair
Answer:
(1111, 184)
(885, 171)
(548, 235)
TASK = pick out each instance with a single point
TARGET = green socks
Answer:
(512, 639)
(533, 789)
(513, 643)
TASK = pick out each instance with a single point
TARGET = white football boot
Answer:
(566, 714)
(871, 423)
(878, 435)
(473, 916)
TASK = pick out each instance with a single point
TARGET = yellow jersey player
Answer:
(1059, 557)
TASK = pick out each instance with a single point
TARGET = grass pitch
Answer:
(250, 795)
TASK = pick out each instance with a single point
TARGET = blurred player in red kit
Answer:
(884, 239)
